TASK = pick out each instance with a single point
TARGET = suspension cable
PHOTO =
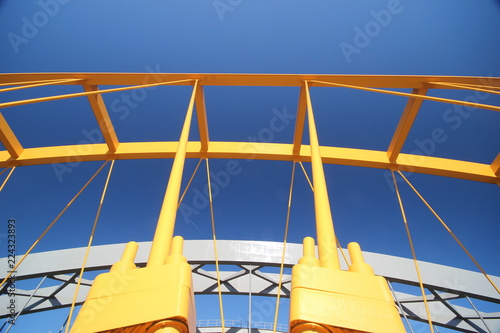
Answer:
(307, 176)
(478, 313)
(52, 224)
(342, 252)
(451, 232)
(413, 252)
(189, 183)
(6, 178)
(80, 277)
(63, 325)
(221, 308)
(400, 306)
(276, 311)
(38, 84)
(25, 305)
(336, 238)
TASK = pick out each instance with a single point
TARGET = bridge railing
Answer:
(241, 324)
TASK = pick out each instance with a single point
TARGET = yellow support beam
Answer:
(393, 159)
(166, 221)
(495, 166)
(9, 139)
(300, 120)
(258, 150)
(405, 124)
(323, 297)
(102, 116)
(327, 244)
(159, 297)
(265, 80)
(201, 114)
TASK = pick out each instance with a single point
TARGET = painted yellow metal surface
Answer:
(323, 297)
(327, 243)
(9, 139)
(159, 297)
(130, 299)
(393, 159)
(102, 117)
(269, 80)
(256, 150)
(405, 123)
(333, 300)
(166, 221)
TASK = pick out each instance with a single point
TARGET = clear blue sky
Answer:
(242, 36)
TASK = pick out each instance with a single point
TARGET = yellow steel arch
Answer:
(256, 150)
(16, 155)
(359, 287)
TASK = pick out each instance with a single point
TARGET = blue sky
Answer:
(242, 36)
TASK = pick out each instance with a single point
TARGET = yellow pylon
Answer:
(159, 297)
(325, 298)
(332, 300)
(150, 299)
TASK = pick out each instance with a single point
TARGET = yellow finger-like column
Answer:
(309, 255)
(176, 250)
(358, 263)
(166, 222)
(127, 260)
(327, 245)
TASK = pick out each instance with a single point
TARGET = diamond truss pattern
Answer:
(251, 267)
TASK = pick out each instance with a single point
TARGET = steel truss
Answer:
(16, 155)
(240, 258)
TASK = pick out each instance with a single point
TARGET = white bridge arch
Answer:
(244, 260)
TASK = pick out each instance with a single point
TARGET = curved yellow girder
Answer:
(253, 150)
(16, 155)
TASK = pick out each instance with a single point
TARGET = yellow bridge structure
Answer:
(324, 298)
